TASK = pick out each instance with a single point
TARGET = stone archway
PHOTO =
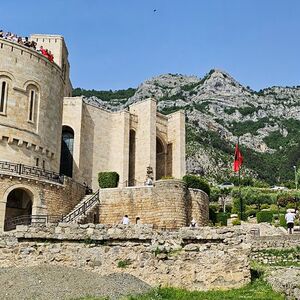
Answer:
(18, 204)
(160, 159)
(67, 145)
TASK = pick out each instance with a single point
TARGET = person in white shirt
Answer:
(290, 218)
(125, 220)
(193, 224)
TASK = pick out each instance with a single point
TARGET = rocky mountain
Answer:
(218, 111)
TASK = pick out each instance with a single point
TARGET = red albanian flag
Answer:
(238, 159)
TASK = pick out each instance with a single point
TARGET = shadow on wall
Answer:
(87, 147)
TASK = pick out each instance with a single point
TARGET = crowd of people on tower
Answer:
(27, 43)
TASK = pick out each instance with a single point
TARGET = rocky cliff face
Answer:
(218, 110)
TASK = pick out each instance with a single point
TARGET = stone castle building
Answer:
(53, 144)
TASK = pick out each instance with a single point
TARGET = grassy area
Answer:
(258, 290)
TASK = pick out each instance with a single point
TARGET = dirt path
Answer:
(56, 283)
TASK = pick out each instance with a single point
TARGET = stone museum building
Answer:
(53, 145)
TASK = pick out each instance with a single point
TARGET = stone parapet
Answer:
(197, 259)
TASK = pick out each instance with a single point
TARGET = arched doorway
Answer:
(66, 157)
(131, 169)
(18, 204)
(160, 159)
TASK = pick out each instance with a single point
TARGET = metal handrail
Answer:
(11, 223)
(26, 170)
(81, 210)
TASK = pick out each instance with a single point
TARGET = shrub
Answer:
(108, 179)
(212, 215)
(251, 212)
(236, 222)
(195, 182)
(282, 221)
(228, 208)
(265, 206)
(222, 218)
(124, 263)
(237, 208)
(264, 216)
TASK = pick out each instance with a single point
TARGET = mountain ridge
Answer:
(218, 110)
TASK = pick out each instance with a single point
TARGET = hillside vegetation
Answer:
(218, 110)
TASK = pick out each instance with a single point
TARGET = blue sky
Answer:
(117, 44)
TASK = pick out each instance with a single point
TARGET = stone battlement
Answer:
(36, 57)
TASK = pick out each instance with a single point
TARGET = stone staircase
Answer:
(83, 209)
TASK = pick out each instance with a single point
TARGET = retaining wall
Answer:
(198, 259)
(167, 204)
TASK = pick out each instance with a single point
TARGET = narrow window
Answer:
(3, 96)
(37, 162)
(31, 105)
(43, 164)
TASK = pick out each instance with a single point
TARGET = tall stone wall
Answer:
(167, 204)
(145, 155)
(199, 259)
(23, 140)
(101, 141)
(57, 46)
(47, 198)
(176, 137)
(73, 106)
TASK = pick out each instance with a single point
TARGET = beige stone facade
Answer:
(34, 142)
(102, 142)
(45, 133)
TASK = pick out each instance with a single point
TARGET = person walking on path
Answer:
(290, 218)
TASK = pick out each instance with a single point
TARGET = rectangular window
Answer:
(37, 162)
(31, 105)
(3, 93)
(43, 164)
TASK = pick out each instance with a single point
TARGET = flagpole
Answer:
(239, 182)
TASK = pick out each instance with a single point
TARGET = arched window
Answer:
(66, 158)
(32, 92)
(3, 95)
(31, 105)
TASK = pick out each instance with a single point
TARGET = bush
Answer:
(236, 222)
(222, 218)
(282, 221)
(124, 263)
(251, 212)
(212, 215)
(264, 216)
(265, 206)
(108, 179)
(195, 182)
(228, 208)
(236, 209)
